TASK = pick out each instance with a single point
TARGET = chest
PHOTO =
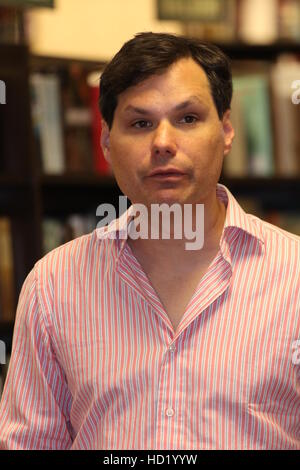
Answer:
(175, 293)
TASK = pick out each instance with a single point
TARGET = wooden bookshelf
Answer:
(267, 52)
(273, 193)
(19, 190)
(27, 195)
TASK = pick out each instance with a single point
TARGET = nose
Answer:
(164, 143)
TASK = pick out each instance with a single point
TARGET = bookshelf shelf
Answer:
(13, 181)
(83, 193)
(6, 329)
(80, 179)
(268, 52)
(263, 183)
(280, 194)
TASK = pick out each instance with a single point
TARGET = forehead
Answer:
(184, 77)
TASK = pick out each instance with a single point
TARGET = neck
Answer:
(174, 252)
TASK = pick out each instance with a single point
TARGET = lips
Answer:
(166, 172)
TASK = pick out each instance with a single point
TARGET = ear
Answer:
(228, 132)
(104, 140)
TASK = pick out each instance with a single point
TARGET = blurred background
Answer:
(52, 172)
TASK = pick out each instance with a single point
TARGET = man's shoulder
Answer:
(278, 241)
(277, 254)
(274, 233)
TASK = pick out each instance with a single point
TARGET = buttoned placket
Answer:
(168, 412)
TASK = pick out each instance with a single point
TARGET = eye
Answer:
(142, 124)
(189, 119)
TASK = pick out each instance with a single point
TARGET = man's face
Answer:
(168, 122)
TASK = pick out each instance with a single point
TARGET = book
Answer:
(289, 20)
(101, 166)
(7, 281)
(286, 116)
(53, 235)
(57, 231)
(236, 162)
(210, 20)
(77, 119)
(78, 148)
(82, 120)
(67, 120)
(9, 25)
(47, 121)
(81, 224)
(288, 220)
(252, 151)
(258, 21)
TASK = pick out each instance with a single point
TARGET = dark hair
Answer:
(152, 53)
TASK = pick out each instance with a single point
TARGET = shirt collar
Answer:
(236, 220)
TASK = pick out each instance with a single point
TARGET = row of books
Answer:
(266, 119)
(9, 25)
(67, 121)
(250, 20)
(55, 233)
(267, 21)
(58, 231)
(287, 220)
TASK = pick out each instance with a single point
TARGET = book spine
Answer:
(7, 289)
(48, 122)
(101, 166)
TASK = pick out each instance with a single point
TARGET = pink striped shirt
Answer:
(96, 363)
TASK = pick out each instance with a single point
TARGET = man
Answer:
(138, 343)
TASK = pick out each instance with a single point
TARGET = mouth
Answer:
(168, 176)
(167, 173)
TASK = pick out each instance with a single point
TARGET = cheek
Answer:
(119, 156)
(130, 156)
(215, 145)
(208, 155)
(124, 166)
(215, 136)
(209, 144)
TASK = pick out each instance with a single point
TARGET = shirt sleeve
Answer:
(35, 401)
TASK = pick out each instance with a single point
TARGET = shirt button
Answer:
(172, 348)
(169, 412)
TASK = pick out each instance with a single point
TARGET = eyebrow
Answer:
(191, 100)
